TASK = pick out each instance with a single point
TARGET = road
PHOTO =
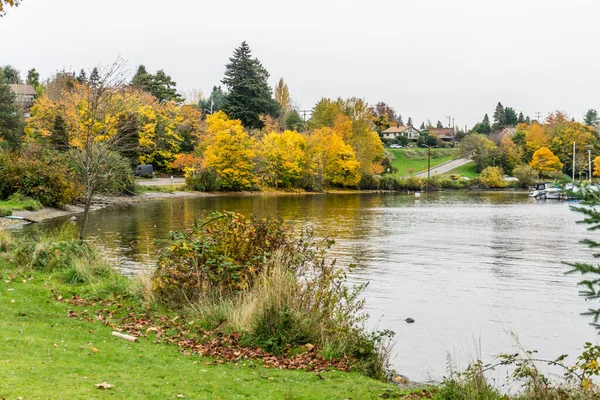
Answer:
(160, 182)
(445, 167)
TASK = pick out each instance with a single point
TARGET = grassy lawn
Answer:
(414, 160)
(52, 349)
(467, 170)
(18, 203)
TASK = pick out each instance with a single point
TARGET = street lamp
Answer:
(428, 160)
(589, 150)
(211, 107)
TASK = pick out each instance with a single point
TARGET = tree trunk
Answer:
(86, 212)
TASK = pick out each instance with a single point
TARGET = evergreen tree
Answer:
(499, 117)
(95, 76)
(591, 117)
(249, 94)
(82, 77)
(293, 121)
(213, 102)
(11, 75)
(409, 122)
(439, 125)
(160, 85)
(510, 117)
(422, 126)
(521, 118)
(33, 78)
(483, 127)
(528, 120)
(10, 121)
(400, 121)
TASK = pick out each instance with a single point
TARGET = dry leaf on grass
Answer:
(104, 385)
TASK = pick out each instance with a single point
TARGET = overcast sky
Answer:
(426, 58)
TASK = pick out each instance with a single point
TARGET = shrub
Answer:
(42, 175)
(5, 211)
(369, 182)
(493, 177)
(525, 174)
(262, 278)
(205, 180)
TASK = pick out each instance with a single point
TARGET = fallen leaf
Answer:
(95, 350)
(104, 385)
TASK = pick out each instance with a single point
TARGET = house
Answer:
(401, 131)
(445, 134)
(25, 96)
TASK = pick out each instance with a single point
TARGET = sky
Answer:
(429, 59)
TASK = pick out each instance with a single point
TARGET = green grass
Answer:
(414, 160)
(16, 202)
(44, 353)
(158, 188)
(468, 170)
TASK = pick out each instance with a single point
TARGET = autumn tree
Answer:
(382, 109)
(325, 112)
(493, 177)
(563, 134)
(10, 122)
(6, 3)
(597, 166)
(283, 158)
(591, 117)
(545, 161)
(282, 96)
(480, 149)
(96, 118)
(249, 94)
(230, 152)
(331, 162)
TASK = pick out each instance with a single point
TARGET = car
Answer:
(395, 146)
(145, 171)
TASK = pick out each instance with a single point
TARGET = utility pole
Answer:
(538, 116)
(428, 162)
(304, 112)
(449, 121)
(573, 172)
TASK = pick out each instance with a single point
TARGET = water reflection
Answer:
(469, 267)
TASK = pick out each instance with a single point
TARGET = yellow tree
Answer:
(283, 156)
(597, 166)
(545, 161)
(564, 134)
(331, 161)
(282, 96)
(230, 152)
(96, 122)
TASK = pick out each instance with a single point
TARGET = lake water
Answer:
(470, 268)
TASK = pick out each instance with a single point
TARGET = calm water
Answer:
(469, 267)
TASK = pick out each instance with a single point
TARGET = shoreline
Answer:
(101, 202)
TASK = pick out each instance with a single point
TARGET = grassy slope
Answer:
(416, 159)
(467, 170)
(20, 203)
(46, 354)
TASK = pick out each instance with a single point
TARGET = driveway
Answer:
(160, 182)
(445, 167)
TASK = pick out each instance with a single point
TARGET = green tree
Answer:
(82, 77)
(10, 122)
(95, 77)
(499, 117)
(525, 174)
(324, 113)
(521, 118)
(11, 74)
(591, 117)
(483, 127)
(160, 85)
(400, 121)
(410, 122)
(422, 126)
(250, 95)
(480, 149)
(510, 116)
(33, 78)
(214, 102)
(439, 125)
(293, 121)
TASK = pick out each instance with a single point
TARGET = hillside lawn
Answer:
(414, 160)
(467, 170)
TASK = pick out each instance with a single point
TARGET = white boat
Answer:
(547, 190)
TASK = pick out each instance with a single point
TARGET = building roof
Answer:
(397, 129)
(442, 133)
(23, 89)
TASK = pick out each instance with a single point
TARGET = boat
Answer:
(548, 190)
